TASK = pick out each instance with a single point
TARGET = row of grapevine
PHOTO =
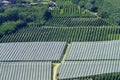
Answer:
(71, 22)
(66, 10)
(67, 34)
(64, 2)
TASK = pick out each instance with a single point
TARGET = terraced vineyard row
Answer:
(72, 10)
(68, 34)
(71, 22)
(67, 10)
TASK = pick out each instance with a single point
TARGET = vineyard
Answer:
(61, 40)
(66, 10)
(72, 22)
(68, 34)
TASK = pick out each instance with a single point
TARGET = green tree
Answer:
(1, 10)
(12, 14)
(75, 2)
(94, 5)
(105, 10)
(115, 18)
(82, 4)
(47, 15)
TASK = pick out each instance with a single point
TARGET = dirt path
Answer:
(55, 70)
(66, 53)
(56, 66)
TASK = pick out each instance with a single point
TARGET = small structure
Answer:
(5, 2)
(52, 5)
(33, 4)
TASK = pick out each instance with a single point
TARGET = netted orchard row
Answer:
(67, 34)
(89, 70)
(109, 76)
(70, 22)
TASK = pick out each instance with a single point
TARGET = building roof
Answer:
(6, 2)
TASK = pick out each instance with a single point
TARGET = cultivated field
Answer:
(60, 40)
(67, 34)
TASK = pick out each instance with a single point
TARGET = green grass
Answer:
(67, 34)
(115, 3)
(64, 2)
(30, 0)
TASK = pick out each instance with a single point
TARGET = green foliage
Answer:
(107, 10)
(11, 26)
(64, 2)
(12, 14)
(109, 76)
(7, 27)
(115, 3)
(30, 0)
(26, 15)
(1, 9)
(18, 1)
(82, 4)
(75, 1)
(66, 8)
(73, 11)
(3, 18)
(115, 18)
(47, 15)
(93, 5)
